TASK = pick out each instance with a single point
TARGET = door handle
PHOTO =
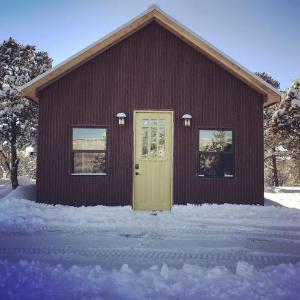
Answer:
(137, 173)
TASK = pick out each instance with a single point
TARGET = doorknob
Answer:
(137, 173)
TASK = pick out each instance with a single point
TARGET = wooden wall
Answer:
(152, 69)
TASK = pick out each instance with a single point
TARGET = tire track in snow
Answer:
(154, 255)
(271, 234)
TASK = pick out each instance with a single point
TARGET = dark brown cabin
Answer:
(150, 116)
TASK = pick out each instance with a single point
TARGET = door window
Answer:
(153, 139)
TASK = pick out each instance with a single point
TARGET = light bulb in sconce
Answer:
(121, 118)
(186, 120)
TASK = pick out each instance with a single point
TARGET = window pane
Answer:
(90, 162)
(89, 138)
(153, 122)
(144, 141)
(216, 164)
(162, 122)
(145, 122)
(153, 147)
(215, 140)
(161, 142)
(153, 138)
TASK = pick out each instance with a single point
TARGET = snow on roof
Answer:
(31, 89)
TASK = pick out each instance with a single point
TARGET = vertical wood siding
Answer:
(152, 69)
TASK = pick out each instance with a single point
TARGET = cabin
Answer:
(150, 116)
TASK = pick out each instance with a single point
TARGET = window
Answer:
(89, 151)
(153, 139)
(216, 153)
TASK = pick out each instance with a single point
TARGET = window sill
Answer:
(216, 177)
(89, 174)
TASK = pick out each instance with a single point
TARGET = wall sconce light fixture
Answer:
(121, 118)
(186, 120)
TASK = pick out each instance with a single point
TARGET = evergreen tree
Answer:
(286, 120)
(18, 116)
(266, 77)
(271, 138)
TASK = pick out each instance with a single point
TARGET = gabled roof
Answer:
(32, 88)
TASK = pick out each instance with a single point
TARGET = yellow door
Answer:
(153, 163)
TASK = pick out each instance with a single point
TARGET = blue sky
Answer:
(262, 35)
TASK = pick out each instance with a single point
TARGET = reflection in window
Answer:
(153, 138)
(145, 141)
(216, 153)
(161, 142)
(89, 162)
(89, 150)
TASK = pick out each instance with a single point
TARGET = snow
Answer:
(296, 102)
(5, 87)
(29, 150)
(294, 93)
(285, 196)
(286, 115)
(194, 252)
(5, 188)
(36, 280)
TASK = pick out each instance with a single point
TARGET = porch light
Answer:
(186, 120)
(121, 118)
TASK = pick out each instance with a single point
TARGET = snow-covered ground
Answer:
(38, 280)
(5, 184)
(285, 196)
(5, 187)
(194, 252)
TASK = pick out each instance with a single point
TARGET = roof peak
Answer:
(154, 7)
(32, 88)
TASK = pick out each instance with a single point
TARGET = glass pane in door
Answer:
(153, 139)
